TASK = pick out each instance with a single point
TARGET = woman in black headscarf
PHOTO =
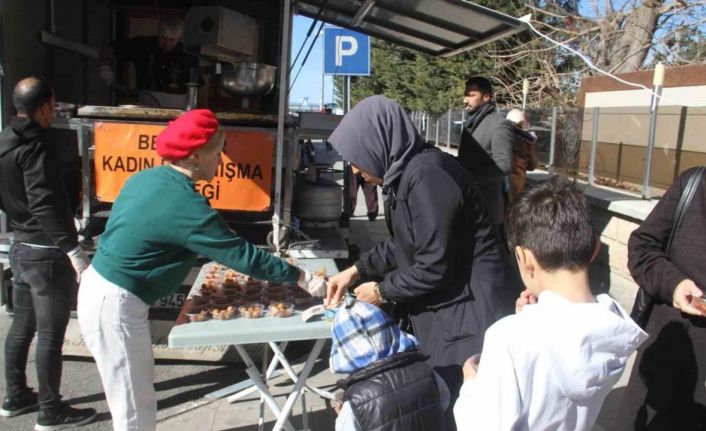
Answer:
(442, 264)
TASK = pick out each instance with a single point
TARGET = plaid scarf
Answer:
(363, 334)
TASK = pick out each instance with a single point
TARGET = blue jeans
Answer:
(44, 289)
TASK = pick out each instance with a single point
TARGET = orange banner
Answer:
(243, 180)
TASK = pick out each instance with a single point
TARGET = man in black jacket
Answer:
(45, 257)
(486, 145)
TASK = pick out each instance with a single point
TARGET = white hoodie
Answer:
(549, 367)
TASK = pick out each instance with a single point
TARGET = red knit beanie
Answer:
(186, 134)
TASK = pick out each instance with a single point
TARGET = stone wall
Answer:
(609, 272)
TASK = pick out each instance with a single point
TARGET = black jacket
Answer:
(31, 191)
(649, 265)
(666, 388)
(443, 263)
(395, 393)
(486, 151)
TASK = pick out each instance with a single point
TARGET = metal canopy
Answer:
(437, 27)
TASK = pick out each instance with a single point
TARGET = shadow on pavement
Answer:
(321, 419)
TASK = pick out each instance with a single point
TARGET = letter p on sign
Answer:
(346, 52)
(345, 46)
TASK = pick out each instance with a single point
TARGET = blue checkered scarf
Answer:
(363, 334)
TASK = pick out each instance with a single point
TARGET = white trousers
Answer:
(116, 330)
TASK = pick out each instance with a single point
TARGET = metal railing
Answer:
(603, 146)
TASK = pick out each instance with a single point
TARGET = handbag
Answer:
(644, 302)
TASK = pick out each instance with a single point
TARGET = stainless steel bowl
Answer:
(249, 79)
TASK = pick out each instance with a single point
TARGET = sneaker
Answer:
(372, 216)
(66, 417)
(16, 406)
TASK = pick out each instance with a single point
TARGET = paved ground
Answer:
(181, 387)
(177, 385)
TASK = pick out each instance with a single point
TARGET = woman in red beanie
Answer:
(158, 226)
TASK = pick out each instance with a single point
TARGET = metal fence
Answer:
(603, 146)
(442, 129)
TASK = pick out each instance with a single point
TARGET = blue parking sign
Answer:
(346, 52)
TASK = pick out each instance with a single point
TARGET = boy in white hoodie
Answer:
(551, 365)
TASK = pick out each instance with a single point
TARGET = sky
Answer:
(309, 82)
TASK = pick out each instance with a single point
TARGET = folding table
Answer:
(276, 332)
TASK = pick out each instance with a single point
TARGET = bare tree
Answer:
(628, 37)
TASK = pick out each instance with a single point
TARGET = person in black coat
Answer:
(442, 265)
(486, 146)
(666, 388)
(45, 257)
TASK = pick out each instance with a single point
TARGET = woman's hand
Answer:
(524, 299)
(338, 284)
(366, 293)
(315, 285)
(683, 294)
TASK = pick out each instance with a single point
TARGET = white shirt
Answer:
(549, 367)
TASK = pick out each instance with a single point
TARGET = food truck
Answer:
(274, 186)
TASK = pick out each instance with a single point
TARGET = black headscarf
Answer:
(377, 136)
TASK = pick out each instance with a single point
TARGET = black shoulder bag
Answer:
(644, 302)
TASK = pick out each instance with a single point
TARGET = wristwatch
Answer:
(378, 294)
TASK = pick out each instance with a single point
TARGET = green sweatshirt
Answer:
(157, 228)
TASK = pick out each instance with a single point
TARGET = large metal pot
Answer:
(321, 201)
(248, 79)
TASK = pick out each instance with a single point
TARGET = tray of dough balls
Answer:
(220, 293)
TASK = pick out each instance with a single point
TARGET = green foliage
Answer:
(423, 83)
(417, 81)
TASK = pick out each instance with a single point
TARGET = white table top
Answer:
(245, 331)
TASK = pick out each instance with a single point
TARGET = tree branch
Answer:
(555, 15)
(628, 57)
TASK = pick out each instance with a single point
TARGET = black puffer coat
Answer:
(398, 393)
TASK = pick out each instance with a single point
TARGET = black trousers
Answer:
(44, 290)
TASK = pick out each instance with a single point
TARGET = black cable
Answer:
(308, 34)
(301, 67)
(301, 48)
(306, 57)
